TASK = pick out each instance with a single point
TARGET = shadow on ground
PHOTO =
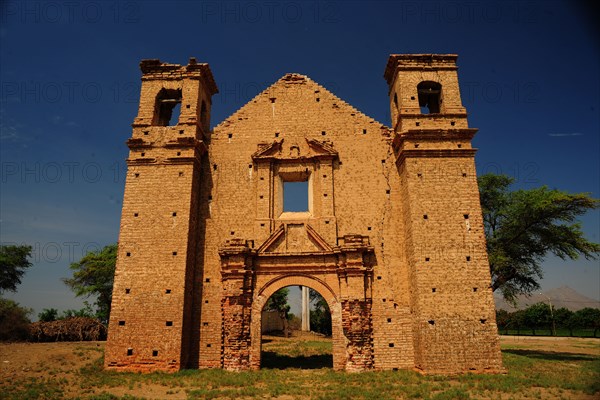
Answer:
(272, 360)
(551, 355)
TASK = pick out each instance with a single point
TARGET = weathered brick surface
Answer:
(393, 236)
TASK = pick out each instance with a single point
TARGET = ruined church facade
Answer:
(391, 236)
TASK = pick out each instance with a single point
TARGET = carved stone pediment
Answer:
(306, 150)
(295, 238)
(268, 150)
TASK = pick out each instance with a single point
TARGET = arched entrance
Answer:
(341, 274)
(272, 286)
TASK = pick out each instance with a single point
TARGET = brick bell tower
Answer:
(454, 324)
(149, 326)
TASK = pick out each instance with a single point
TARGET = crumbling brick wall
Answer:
(392, 236)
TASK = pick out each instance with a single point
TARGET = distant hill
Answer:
(563, 296)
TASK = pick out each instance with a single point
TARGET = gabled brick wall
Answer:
(392, 238)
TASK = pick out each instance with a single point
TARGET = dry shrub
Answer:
(74, 329)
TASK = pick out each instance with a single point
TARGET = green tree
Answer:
(48, 315)
(522, 227)
(13, 263)
(279, 302)
(320, 317)
(503, 320)
(518, 320)
(564, 319)
(86, 311)
(14, 321)
(588, 318)
(93, 275)
(538, 316)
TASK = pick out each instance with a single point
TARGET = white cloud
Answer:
(565, 134)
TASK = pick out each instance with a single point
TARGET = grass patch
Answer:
(531, 374)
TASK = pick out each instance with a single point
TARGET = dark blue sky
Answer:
(529, 74)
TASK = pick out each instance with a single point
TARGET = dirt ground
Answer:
(553, 344)
(41, 361)
(44, 360)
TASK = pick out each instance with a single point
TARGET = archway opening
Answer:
(430, 97)
(284, 342)
(167, 107)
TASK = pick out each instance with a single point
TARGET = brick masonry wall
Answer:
(392, 237)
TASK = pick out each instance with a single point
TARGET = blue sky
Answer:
(529, 74)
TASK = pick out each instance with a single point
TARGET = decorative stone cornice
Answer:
(154, 69)
(269, 152)
(418, 62)
(434, 153)
(434, 135)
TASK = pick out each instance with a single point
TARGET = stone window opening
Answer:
(430, 97)
(154, 353)
(167, 107)
(294, 194)
(204, 116)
